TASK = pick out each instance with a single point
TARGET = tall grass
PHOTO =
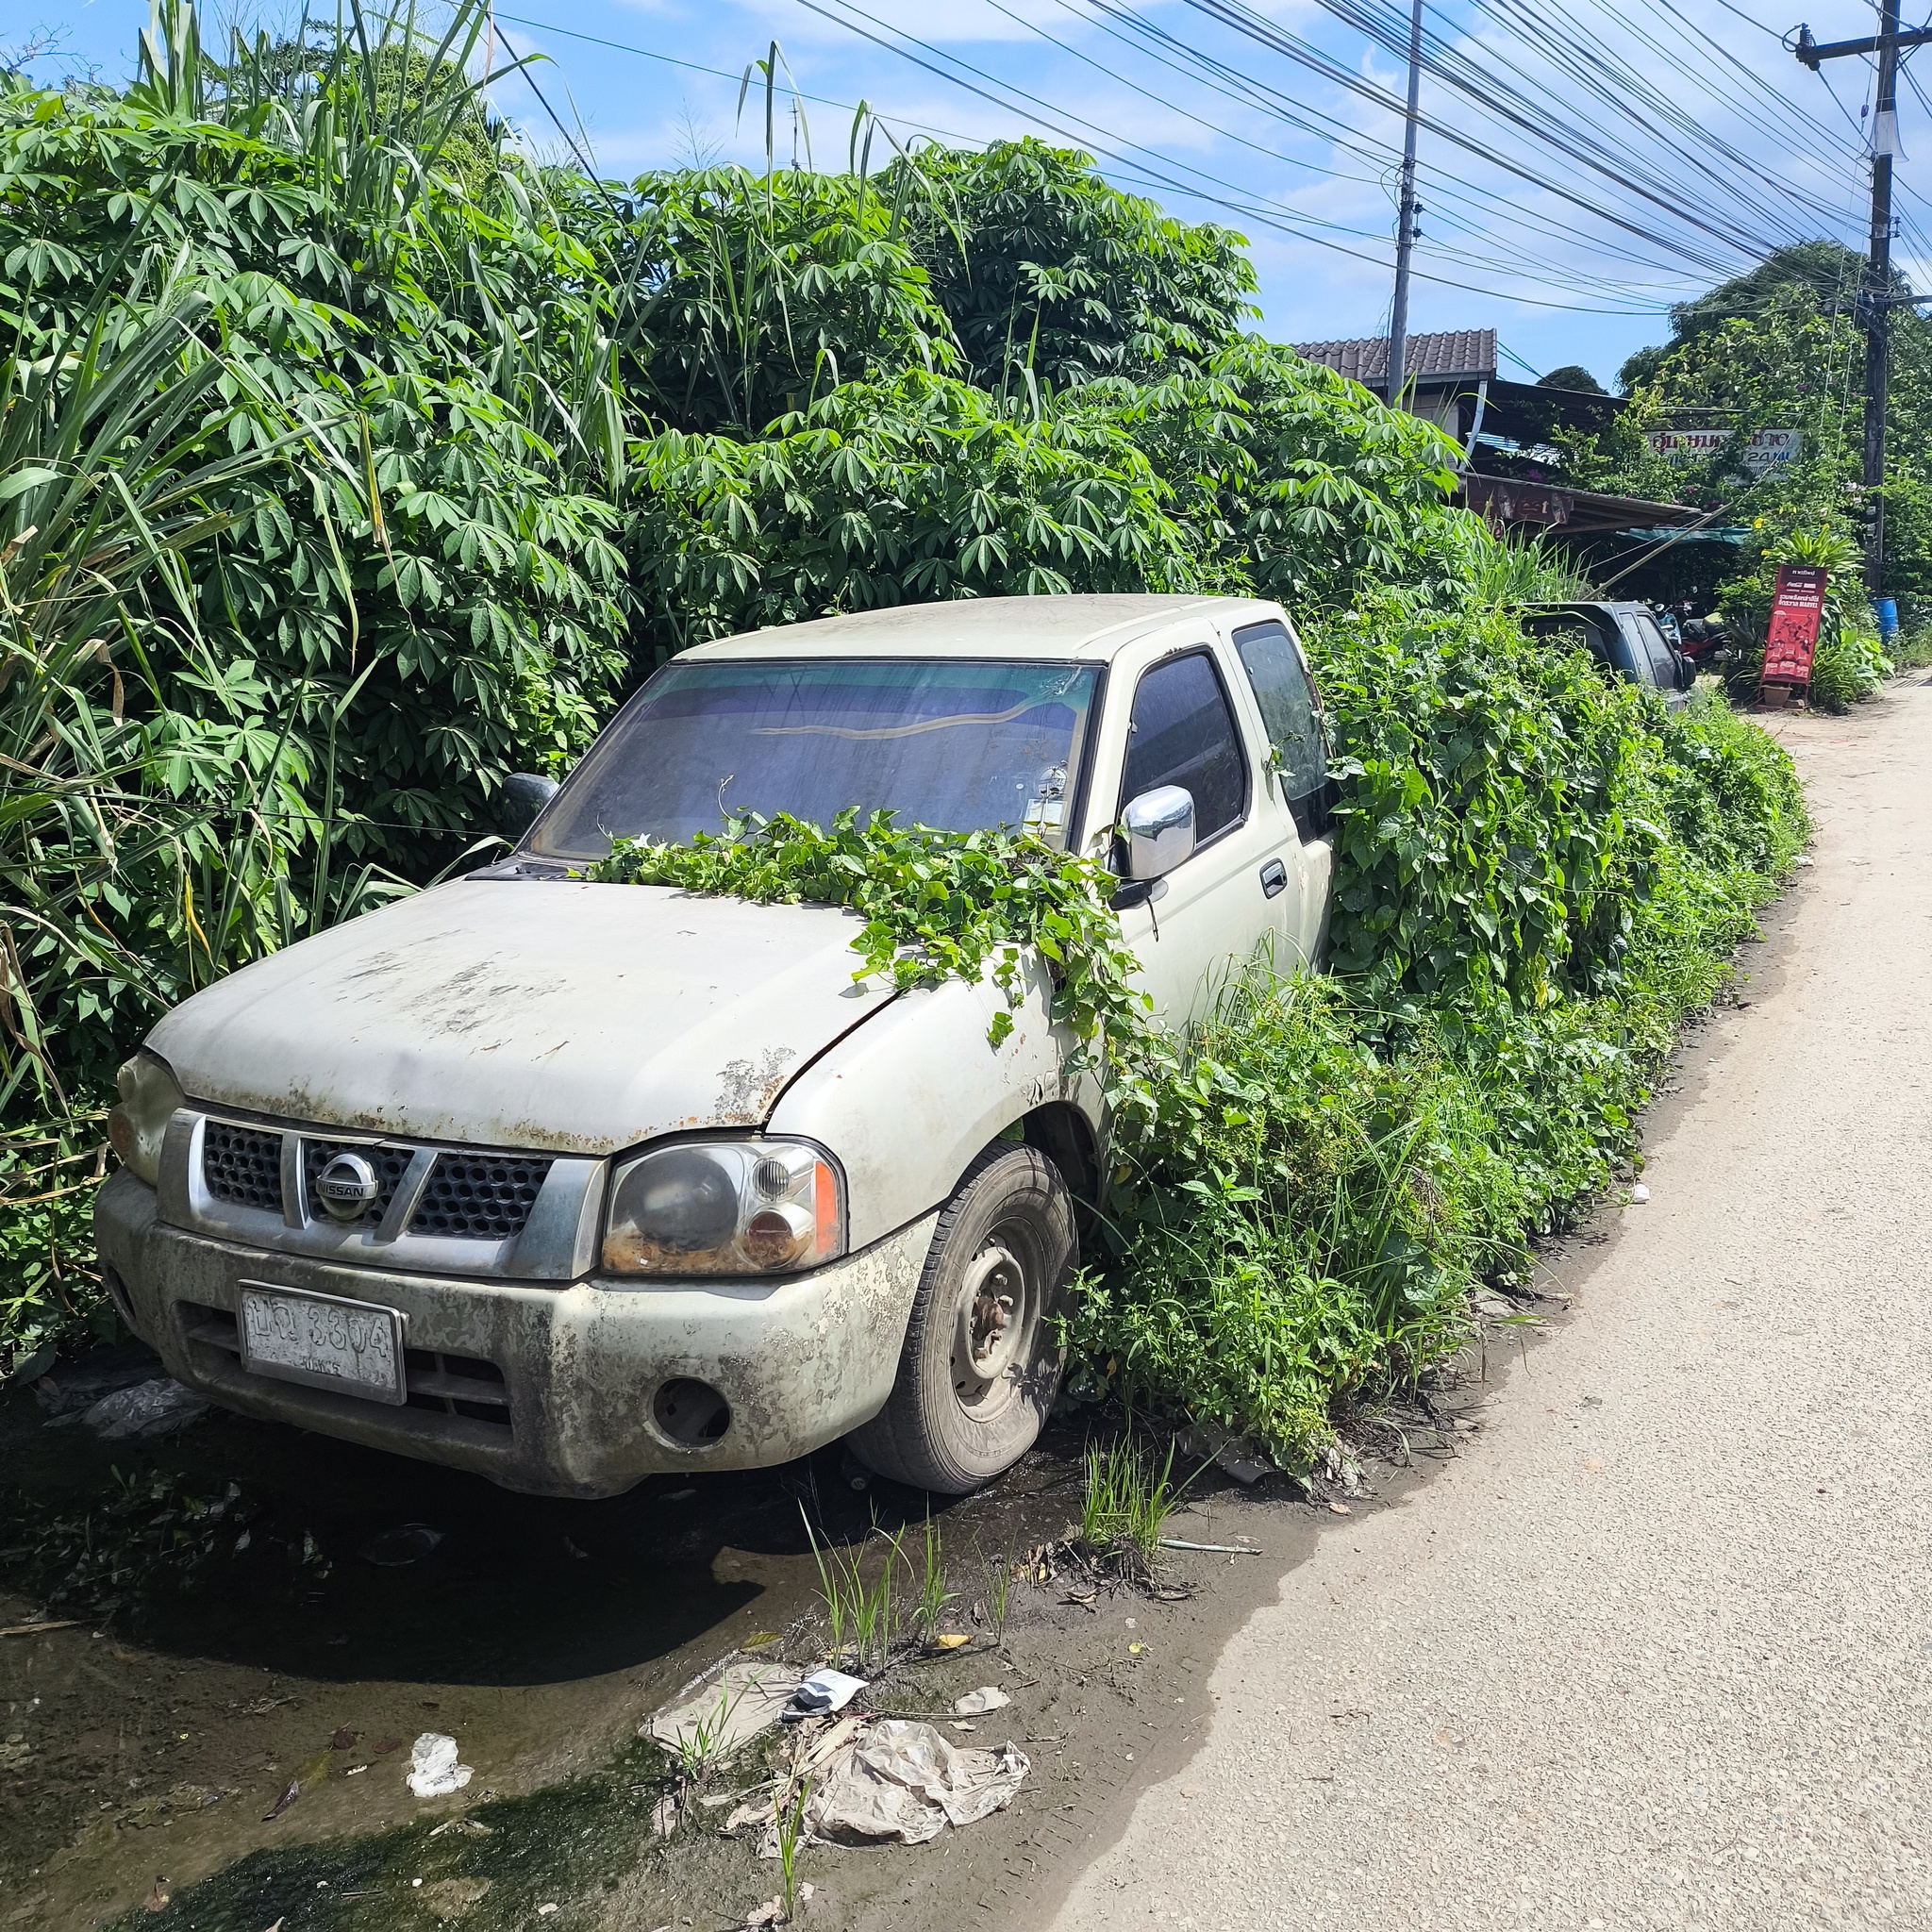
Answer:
(861, 1612)
(1515, 568)
(996, 1580)
(1125, 1502)
(931, 1594)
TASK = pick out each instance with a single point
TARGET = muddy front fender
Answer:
(907, 1100)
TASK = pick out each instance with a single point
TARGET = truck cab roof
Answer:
(1088, 629)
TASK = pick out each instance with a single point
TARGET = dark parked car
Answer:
(1624, 637)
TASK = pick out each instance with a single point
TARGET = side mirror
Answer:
(1159, 828)
(525, 794)
(1687, 670)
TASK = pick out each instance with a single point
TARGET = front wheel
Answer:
(981, 1364)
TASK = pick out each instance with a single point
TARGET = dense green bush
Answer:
(1297, 484)
(1479, 846)
(1311, 1186)
(247, 326)
(1259, 473)
(894, 492)
(746, 299)
(1295, 1214)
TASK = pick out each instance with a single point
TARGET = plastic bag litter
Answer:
(1239, 1455)
(149, 1408)
(978, 1702)
(721, 1712)
(823, 1693)
(903, 1780)
(433, 1767)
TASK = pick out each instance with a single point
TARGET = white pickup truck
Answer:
(569, 1182)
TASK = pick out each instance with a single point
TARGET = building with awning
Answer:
(1507, 477)
(1505, 501)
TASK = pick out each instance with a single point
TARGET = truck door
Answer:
(1298, 758)
(1217, 906)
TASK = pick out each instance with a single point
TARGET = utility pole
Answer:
(1876, 300)
(1406, 214)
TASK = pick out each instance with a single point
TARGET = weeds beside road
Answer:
(1537, 878)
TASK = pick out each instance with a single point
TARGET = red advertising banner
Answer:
(1795, 611)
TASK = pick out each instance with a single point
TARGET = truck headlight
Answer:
(724, 1207)
(149, 1095)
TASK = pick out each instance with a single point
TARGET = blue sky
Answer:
(1564, 215)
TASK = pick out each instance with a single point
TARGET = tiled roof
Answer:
(1455, 355)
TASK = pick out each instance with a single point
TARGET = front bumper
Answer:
(800, 1361)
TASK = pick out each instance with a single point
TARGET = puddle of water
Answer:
(150, 1741)
(568, 1845)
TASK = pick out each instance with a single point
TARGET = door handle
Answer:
(1273, 878)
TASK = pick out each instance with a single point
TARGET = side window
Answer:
(1664, 666)
(1570, 631)
(1183, 733)
(1632, 654)
(1292, 718)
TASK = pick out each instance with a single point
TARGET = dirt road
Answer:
(1657, 1649)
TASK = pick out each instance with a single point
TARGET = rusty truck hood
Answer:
(551, 1014)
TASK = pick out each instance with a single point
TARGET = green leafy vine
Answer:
(937, 905)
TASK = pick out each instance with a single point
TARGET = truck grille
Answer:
(390, 1163)
(479, 1198)
(244, 1166)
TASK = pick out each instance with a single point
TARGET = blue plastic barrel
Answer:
(1886, 608)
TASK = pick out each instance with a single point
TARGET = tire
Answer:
(970, 1399)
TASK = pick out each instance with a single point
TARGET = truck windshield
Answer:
(960, 746)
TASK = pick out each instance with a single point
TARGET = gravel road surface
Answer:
(1657, 1649)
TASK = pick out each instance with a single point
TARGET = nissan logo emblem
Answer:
(346, 1185)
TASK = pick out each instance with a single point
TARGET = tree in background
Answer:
(1574, 377)
(1780, 347)
(1043, 267)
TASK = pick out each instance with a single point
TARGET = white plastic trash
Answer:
(1640, 1194)
(826, 1691)
(149, 1408)
(903, 1780)
(978, 1702)
(433, 1768)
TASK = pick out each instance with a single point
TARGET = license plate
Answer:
(355, 1348)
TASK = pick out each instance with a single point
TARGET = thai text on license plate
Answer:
(352, 1347)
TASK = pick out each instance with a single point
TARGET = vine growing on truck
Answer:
(937, 905)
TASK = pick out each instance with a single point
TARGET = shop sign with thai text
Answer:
(1764, 450)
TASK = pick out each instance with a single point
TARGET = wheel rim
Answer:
(993, 1337)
